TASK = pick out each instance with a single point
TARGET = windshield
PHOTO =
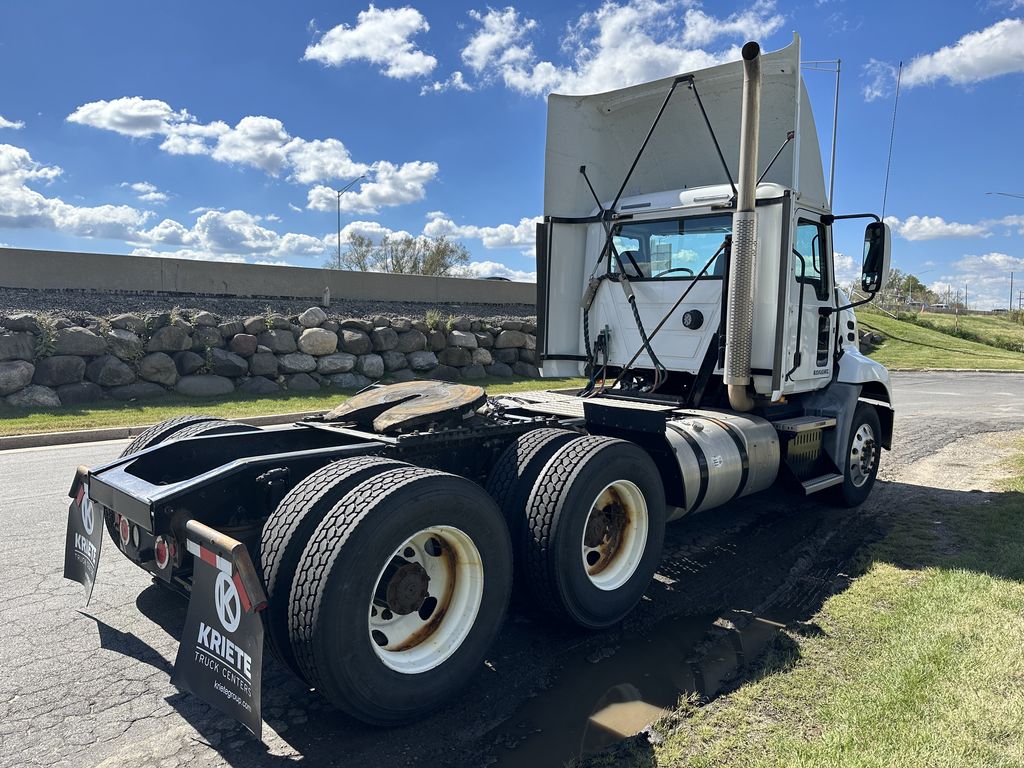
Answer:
(670, 248)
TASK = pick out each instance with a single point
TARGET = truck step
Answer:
(820, 483)
(804, 423)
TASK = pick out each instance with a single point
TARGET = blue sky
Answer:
(217, 130)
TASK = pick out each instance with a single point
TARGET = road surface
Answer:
(90, 686)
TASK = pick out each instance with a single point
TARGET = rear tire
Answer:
(595, 528)
(287, 531)
(356, 632)
(863, 453)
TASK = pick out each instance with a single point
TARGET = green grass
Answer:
(112, 413)
(919, 664)
(911, 347)
(995, 330)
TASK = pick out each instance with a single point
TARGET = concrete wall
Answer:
(22, 268)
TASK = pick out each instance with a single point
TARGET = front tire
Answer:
(863, 453)
(594, 533)
(399, 594)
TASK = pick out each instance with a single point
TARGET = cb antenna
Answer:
(892, 135)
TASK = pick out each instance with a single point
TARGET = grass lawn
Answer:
(113, 413)
(997, 330)
(910, 346)
(920, 661)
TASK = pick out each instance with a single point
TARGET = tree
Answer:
(435, 256)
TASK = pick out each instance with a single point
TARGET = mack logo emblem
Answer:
(83, 541)
(220, 658)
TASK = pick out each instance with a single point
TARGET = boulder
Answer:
(140, 390)
(296, 362)
(169, 339)
(128, 322)
(62, 322)
(394, 361)
(231, 328)
(383, 339)
(224, 363)
(258, 385)
(185, 325)
(78, 341)
(482, 357)
(526, 369)
(499, 370)
(243, 344)
(263, 364)
(355, 341)
(403, 375)
(357, 325)
(204, 385)
(528, 355)
(472, 372)
(15, 375)
(462, 339)
(278, 341)
(462, 323)
(254, 325)
(512, 325)
(401, 324)
(349, 381)
(529, 328)
(421, 326)
(507, 356)
(301, 382)
(205, 337)
(278, 322)
(22, 321)
(438, 340)
(108, 371)
(318, 341)
(455, 356)
(156, 320)
(34, 396)
(510, 339)
(82, 392)
(411, 341)
(371, 366)
(17, 346)
(444, 373)
(339, 362)
(531, 341)
(158, 367)
(484, 339)
(204, 319)
(423, 360)
(59, 369)
(379, 321)
(123, 344)
(312, 317)
(330, 325)
(188, 362)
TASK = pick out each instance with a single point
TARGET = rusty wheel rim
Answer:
(426, 599)
(615, 535)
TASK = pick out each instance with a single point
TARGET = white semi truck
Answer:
(685, 269)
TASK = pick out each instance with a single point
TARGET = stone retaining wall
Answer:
(50, 361)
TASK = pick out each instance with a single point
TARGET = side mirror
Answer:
(877, 248)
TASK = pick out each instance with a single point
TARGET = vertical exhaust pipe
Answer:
(739, 323)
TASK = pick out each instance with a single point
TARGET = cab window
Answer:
(809, 259)
(670, 248)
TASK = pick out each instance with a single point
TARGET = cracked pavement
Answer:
(90, 686)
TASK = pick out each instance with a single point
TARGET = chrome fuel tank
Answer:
(722, 455)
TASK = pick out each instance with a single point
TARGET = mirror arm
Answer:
(826, 311)
(828, 218)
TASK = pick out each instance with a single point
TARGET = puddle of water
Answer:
(618, 691)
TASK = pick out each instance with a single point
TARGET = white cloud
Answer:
(454, 82)
(846, 269)
(147, 193)
(881, 78)
(934, 228)
(615, 46)
(130, 115)
(16, 125)
(391, 185)
(369, 229)
(522, 235)
(977, 56)
(271, 217)
(984, 277)
(497, 269)
(294, 207)
(381, 36)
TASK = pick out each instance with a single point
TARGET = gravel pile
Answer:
(78, 305)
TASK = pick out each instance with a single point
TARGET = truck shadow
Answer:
(734, 587)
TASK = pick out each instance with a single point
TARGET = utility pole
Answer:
(341, 192)
(1009, 307)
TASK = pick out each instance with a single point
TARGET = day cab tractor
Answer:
(686, 272)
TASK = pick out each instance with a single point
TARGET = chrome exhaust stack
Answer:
(739, 324)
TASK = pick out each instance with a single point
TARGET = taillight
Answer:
(124, 529)
(164, 550)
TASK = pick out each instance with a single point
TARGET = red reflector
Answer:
(124, 528)
(162, 552)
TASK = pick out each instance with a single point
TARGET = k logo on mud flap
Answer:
(87, 516)
(229, 604)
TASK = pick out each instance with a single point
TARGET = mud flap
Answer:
(84, 537)
(220, 658)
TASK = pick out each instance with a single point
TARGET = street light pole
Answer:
(339, 193)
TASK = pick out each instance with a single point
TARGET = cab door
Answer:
(810, 367)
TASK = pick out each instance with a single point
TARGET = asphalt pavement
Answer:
(88, 686)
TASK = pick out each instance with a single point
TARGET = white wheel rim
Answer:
(615, 535)
(426, 599)
(863, 452)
